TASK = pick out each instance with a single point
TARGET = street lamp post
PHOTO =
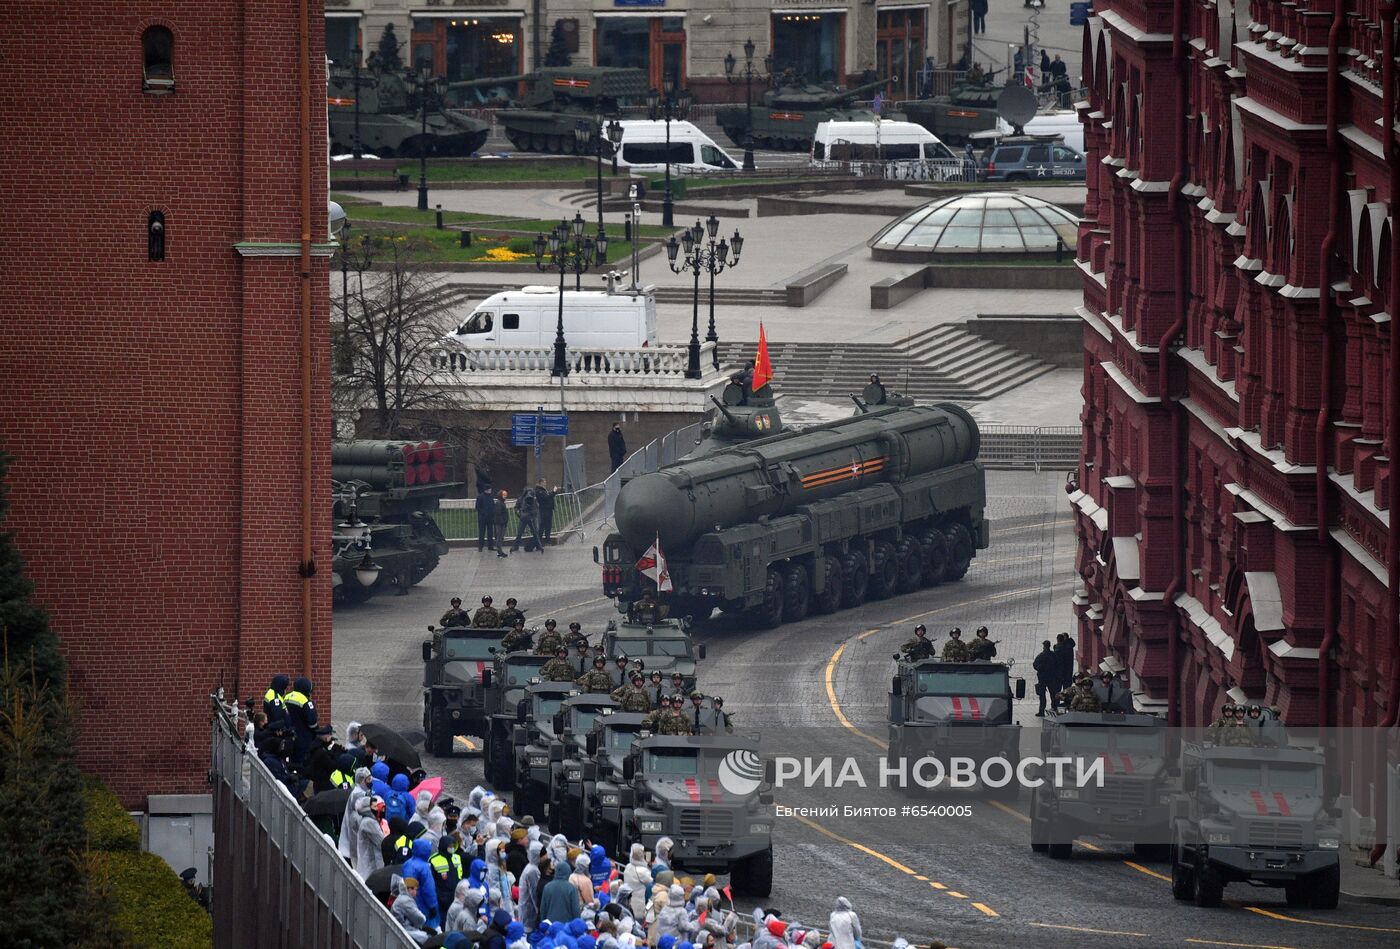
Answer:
(424, 87)
(729, 64)
(672, 106)
(566, 249)
(591, 137)
(716, 260)
(358, 151)
(702, 256)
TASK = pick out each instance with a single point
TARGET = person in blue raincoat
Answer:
(399, 803)
(419, 869)
(599, 870)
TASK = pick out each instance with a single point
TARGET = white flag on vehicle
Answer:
(653, 564)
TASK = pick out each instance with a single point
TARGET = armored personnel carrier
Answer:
(708, 793)
(560, 96)
(787, 116)
(454, 694)
(504, 685)
(391, 118)
(955, 709)
(531, 738)
(385, 493)
(1254, 814)
(968, 108)
(601, 789)
(885, 502)
(573, 723)
(1132, 804)
(662, 645)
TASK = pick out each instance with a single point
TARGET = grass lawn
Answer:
(489, 247)
(413, 216)
(505, 170)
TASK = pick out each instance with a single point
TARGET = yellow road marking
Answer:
(1242, 945)
(836, 706)
(1317, 922)
(986, 909)
(923, 878)
(1152, 873)
(955, 893)
(937, 886)
(1082, 929)
(1010, 810)
(471, 745)
(1088, 846)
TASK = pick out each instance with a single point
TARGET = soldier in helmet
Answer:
(581, 660)
(981, 647)
(1226, 720)
(510, 614)
(674, 723)
(1081, 697)
(597, 679)
(558, 669)
(723, 722)
(653, 719)
(486, 617)
(955, 650)
(657, 688)
(619, 672)
(633, 697)
(550, 640)
(518, 638)
(677, 684)
(456, 616)
(919, 647)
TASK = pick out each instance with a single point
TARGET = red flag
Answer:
(762, 368)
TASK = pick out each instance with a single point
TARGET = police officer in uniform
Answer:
(550, 641)
(275, 706)
(558, 669)
(486, 617)
(596, 679)
(955, 650)
(302, 712)
(510, 614)
(982, 648)
(455, 616)
(518, 638)
(919, 647)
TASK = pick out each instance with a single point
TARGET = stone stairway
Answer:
(943, 363)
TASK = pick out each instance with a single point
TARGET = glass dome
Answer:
(988, 222)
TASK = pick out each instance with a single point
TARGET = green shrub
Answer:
(521, 245)
(153, 908)
(109, 826)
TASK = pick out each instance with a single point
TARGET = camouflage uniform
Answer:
(509, 615)
(673, 723)
(455, 617)
(917, 648)
(487, 618)
(516, 640)
(955, 650)
(1084, 702)
(982, 648)
(632, 699)
(595, 680)
(550, 643)
(653, 719)
(557, 670)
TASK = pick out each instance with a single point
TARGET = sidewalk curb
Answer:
(1377, 899)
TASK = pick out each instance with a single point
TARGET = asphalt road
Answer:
(818, 688)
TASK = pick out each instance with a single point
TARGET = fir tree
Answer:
(558, 52)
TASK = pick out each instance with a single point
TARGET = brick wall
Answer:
(154, 409)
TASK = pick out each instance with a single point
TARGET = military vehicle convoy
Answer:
(606, 746)
(391, 121)
(662, 645)
(787, 116)
(383, 532)
(573, 723)
(885, 502)
(1254, 814)
(955, 709)
(1133, 804)
(531, 739)
(560, 96)
(968, 108)
(454, 691)
(504, 686)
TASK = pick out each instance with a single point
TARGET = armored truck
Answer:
(1132, 804)
(504, 684)
(531, 739)
(955, 709)
(572, 725)
(454, 665)
(1254, 814)
(602, 787)
(662, 645)
(711, 794)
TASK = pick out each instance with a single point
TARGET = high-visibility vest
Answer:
(273, 696)
(339, 779)
(296, 698)
(441, 864)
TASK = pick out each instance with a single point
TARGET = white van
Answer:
(1064, 123)
(643, 148)
(890, 148)
(527, 319)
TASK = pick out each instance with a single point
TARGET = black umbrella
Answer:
(381, 880)
(328, 803)
(392, 745)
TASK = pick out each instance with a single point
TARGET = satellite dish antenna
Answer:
(1016, 105)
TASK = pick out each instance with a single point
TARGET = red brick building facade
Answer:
(1233, 496)
(153, 359)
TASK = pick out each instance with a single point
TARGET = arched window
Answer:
(155, 236)
(158, 52)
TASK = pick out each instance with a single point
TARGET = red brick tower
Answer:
(163, 321)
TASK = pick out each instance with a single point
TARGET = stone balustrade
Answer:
(643, 362)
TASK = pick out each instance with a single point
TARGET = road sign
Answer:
(524, 429)
(556, 425)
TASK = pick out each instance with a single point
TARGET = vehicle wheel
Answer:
(1040, 825)
(797, 593)
(1153, 853)
(1210, 887)
(527, 801)
(828, 600)
(769, 613)
(935, 548)
(353, 593)
(960, 551)
(440, 737)
(1325, 887)
(427, 715)
(855, 579)
(502, 765)
(421, 568)
(753, 876)
(1060, 849)
(911, 565)
(1183, 880)
(884, 570)
(1296, 893)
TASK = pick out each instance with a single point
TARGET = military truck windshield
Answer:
(672, 761)
(1264, 776)
(620, 739)
(520, 673)
(584, 719)
(939, 682)
(459, 647)
(1291, 777)
(670, 647)
(547, 706)
(1140, 740)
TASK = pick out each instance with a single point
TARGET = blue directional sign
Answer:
(556, 425)
(524, 429)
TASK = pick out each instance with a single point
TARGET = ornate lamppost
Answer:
(565, 249)
(729, 64)
(591, 137)
(426, 88)
(672, 106)
(700, 256)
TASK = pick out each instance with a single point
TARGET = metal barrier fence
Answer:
(650, 457)
(277, 880)
(931, 169)
(456, 517)
(1030, 448)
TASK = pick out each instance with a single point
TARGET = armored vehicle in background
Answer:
(968, 108)
(1254, 814)
(573, 723)
(885, 502)
(787, 116)
(454, 693)
(662, 645)
(390, 118)
(1132, 804)
(955, 709)
(561, 96)
(601, 790)
(531, 738)
(711, 794)
(504, 684)
(382, 526)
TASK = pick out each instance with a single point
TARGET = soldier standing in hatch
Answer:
(955, 650)
(597, 678)
(550, 641)
(656, 687)
(486, 617)
(510, 614)
(675, 723)
(919, 647)
(518, 638)
(982, 648)
(633, 697)
(455, 616)
(619, 672)
(558, 669)
(581, 660)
